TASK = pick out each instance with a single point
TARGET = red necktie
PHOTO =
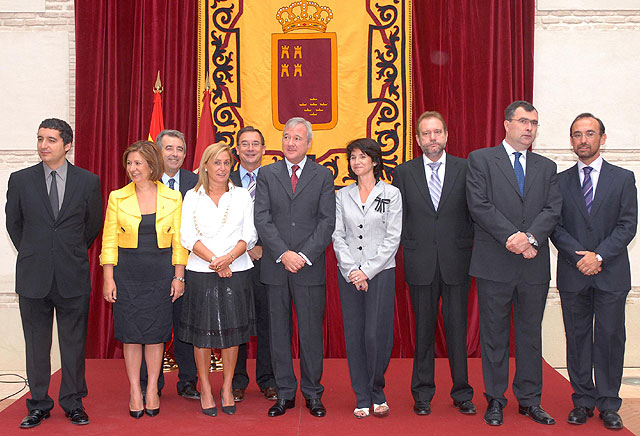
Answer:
(294, 177)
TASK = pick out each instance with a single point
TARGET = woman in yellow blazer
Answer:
(140, 243)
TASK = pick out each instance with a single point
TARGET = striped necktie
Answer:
(587, 188)
(435, 185)
(252, 185)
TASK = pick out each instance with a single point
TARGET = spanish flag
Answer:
(206, 131)
(157, 121)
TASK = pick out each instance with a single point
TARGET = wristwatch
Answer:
(531, 239)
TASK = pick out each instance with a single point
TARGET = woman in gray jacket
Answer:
(365, 240)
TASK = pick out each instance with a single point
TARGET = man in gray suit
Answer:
(599, 220)
(295, 213)
(514, 199)
(437, 234)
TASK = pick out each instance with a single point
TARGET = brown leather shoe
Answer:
(270, 393)
(238, 394)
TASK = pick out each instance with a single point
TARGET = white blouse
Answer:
(219, 228)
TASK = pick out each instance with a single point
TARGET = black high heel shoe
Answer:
(152, 412)
(229, 410)
(137, 414)
(211, 411)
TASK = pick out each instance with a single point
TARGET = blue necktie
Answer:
(517, 167)
(435, 185)
(172, 183)
(587, 188)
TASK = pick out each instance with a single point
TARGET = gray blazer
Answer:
(368, 238)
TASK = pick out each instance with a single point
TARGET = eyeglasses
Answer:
(589, 134)
(246, 144)
(525, 121)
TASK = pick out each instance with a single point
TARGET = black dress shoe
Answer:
(77, 416)
(422, 408)
(536, 413)
(152, 412)
(316, 408)
(493, 415)
(34, 418)
(611, 419)
(465, 407)
(238, 394)
(281, 407)
(137, 414)
(189, 391)
(579, 415)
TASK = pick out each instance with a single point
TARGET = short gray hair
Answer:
(299, 120)
(173, 133)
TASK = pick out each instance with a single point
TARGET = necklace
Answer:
(222, 222)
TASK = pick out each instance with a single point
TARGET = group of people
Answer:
(220, 256)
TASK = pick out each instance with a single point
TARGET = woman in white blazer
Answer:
(365, 240)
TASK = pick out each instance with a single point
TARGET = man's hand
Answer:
(530, 252)
(255, 253)
(292, 262)
(517, 243)
(589, 265)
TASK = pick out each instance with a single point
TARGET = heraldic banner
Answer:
(345, 66)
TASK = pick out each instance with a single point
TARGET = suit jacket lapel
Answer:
(70, 189)
(602, 188)
(532, 173)
(576, 191)
(283, 176)
(451, 171)
(308, 173)
(420, 178)
(504, 164)
(41, 187)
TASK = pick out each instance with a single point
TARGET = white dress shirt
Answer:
(428, 171)
(166, 177)
(595, 173)
(523, 159)
(218, 236)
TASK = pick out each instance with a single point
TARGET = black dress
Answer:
(142, 313)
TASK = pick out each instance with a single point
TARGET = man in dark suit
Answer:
(173, 149)
(250, 148)
(599, 220)
(437, 234)
(514, 199)
(295, 213)
(54, 213)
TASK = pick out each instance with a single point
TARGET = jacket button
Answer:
(359, 248)
(359, 236)
(293, 224)
(360, 226)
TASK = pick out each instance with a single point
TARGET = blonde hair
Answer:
(211, 152)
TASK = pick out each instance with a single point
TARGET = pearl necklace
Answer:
(222, 223)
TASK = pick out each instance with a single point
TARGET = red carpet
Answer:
(108, 400)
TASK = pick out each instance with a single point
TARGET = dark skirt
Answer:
(217, 312)
(142, 313)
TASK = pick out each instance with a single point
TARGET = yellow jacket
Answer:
(123, 219)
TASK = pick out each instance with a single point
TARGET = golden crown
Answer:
(297, 16)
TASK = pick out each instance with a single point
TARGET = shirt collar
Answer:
(442, 160)
(596, 164)
(165, 178)
(61, 171)
(300, 164)
(243, 171)
(510, 150)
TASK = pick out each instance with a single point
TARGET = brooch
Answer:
(381, 204)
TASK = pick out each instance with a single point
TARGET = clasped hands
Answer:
(589, 264)
(518, 243)
(359, 280)
(221, 265)
(292, 261)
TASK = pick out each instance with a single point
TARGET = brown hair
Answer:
(211, 152)
(150, 153)
(430, 114)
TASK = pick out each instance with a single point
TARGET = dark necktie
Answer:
(53, 195)
(587, 188)
(252, 186)
(172, 183)
(294, 177)
(435, 185)
(517, 167)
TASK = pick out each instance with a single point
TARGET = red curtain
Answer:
(120, 46)
(471, 58)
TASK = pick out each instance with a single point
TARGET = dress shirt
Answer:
(218, 237)
(595, 173)
(523, 158)
(244, 175)
(166, 177)
(300, 164)
(61, 180)
(428, 171)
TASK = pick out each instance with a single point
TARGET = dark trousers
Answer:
(368, 334)
(182, 352)
(37, 322)
(264, 370)
(426, 303)
(495, 302)
(309, 303)
(599, 348)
